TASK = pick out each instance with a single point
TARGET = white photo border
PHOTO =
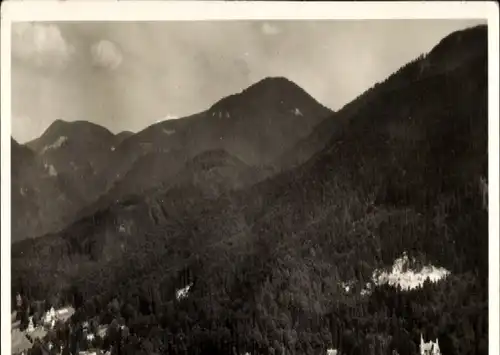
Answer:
(13, 11)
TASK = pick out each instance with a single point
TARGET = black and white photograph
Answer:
(255, 186)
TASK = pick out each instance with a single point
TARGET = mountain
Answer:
(120, 137)
(99, 168)
(57, 174)
(453, 51)
(214, 171)
(70, 136)
(400, 146)
(41, 200)
(78, 151)
(268, 263)
(256, 126)
(217, 172)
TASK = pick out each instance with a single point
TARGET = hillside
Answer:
(405, 149)
(56, 175)
(450, 53)
(215, 173)
(41, 200)
(269, 263)
(79, 151)
(120, 137)
(255, 126)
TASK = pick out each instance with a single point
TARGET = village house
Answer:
(31, 327)
(49, 318)
(52, 316)
(430, 348)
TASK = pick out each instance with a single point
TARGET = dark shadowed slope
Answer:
(452, 52)
(57, 174)
(78, 151)
(418, 141)
(213, 170)
(41, 200)
(120, 137)
(81, 134)
(215, 173)
(267, 263)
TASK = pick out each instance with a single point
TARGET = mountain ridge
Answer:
(330, 155)
(99, 166)
(173, 143)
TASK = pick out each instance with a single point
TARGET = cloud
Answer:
(106, 54)
(42, 44)
(269, 29)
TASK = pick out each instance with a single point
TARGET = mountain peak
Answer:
(278, 92)
(273, 80)
(60, 124)
(278, 84)
(462, 44)
(61, 131)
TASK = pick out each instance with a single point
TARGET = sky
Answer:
(129, 75)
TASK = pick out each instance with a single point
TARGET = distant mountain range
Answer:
(95, 167)
(267, 202)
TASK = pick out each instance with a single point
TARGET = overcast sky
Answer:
(126, 76)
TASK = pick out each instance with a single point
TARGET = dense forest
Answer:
(401, 173)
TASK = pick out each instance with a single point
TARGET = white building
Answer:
(62, 312)
(50, 317)
(102, 330)
(401, 275)
(331, 352)
(429, 348)
(183, 292)
(31, 328)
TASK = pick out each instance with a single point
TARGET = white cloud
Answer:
(106, 54)
(41, 43)
(269, 29)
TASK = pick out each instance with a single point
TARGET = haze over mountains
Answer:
(267, 203)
